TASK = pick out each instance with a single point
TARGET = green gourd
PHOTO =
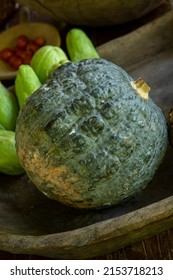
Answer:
(79, 45)
(9, 108)
(91, 136)
(9, 162)
(46, 59)
(26, 82)
(2, 127)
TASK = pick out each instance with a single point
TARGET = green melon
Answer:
(86, 137)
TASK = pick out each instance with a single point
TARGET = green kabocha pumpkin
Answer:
(88, 137)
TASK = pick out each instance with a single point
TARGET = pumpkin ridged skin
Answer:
(87, 139)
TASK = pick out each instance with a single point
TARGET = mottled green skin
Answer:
(88, 118)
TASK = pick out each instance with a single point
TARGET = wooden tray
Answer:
(32, 224)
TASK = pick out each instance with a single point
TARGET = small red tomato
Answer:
(6, 53)
(27, 53)
(26, 56)
(26, 60)
(22, 41)
(18, 51)
(15, 62)
(40, 41)
(12, 58)
(32, 46)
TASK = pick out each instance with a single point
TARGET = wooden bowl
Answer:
(31, 30)
(93, 13)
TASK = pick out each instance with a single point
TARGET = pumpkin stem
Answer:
(141, 88)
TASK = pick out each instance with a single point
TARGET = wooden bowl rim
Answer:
(26, 28)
